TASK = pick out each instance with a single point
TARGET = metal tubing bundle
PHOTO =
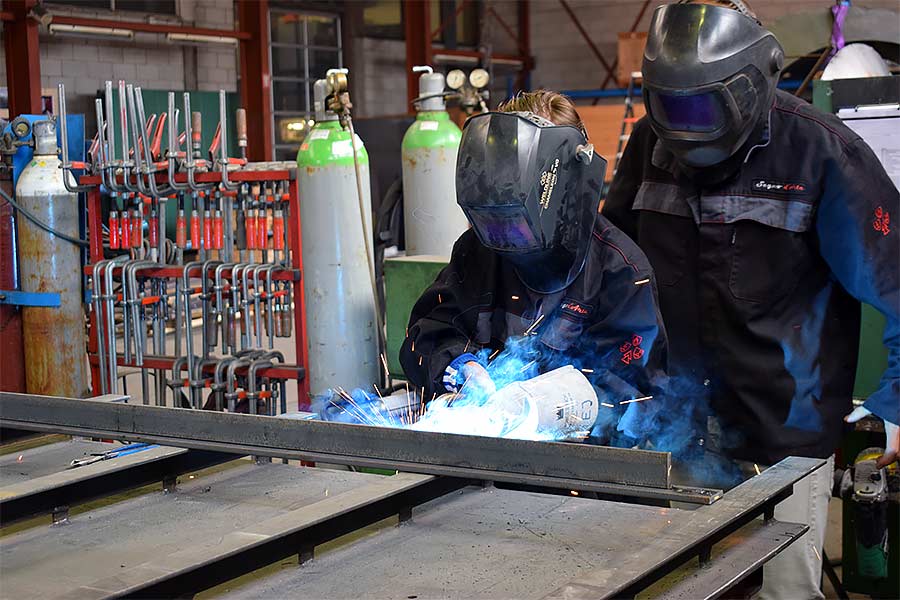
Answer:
(232, 258)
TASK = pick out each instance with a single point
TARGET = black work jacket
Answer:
(607, 322)
(761, 276)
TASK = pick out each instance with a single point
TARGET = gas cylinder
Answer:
(55, 354)
(338, 295)
(432, 218)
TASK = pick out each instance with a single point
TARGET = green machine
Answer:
(861, 103)
(405, 278)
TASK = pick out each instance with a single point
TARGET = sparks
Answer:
(756, 466)
(587, 370)
(20, 458)
(816, 550)
(494, 354)
(413, 345)
(420, 361)
(439, 299)
(467, 346)
(534, 325)
(515, 297)
(642, 281)
(387, 376)
(526, 367)
(607, 405)
(636, 400)
(574, 493)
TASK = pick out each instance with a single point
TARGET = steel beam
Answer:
(256, 79)
(636, 473)
(23, 60)
(417, 22)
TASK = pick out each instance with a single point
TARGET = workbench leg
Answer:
(405, 514)
(306, 554)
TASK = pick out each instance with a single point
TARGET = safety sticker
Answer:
(342, 148)
(428, 125)
(319, 134)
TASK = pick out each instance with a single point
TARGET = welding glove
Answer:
(476, 379)
(891, 432)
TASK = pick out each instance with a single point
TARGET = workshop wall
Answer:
(148, 59)
(564, 61)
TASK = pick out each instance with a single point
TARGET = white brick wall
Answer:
(147, 60)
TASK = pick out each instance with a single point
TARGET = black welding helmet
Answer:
(709, 79)
(531, 190)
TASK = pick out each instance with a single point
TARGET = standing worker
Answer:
(766, 222)
(538, 261)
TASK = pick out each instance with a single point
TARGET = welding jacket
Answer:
(607, 322)
(761, 277)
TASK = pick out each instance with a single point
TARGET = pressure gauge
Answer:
(456, 79)
(479, 78)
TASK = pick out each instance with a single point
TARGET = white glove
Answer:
(891, 431)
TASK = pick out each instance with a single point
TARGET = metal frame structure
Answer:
(747, 542)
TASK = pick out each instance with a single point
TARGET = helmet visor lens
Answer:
(701, 113)
(504, 228)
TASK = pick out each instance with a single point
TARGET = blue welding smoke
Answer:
(675, 420)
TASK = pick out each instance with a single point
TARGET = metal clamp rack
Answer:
(244, 227)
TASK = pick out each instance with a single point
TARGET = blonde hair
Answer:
(553, 106)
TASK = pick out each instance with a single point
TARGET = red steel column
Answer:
(23, 60)
(256, 79)
(417, 16)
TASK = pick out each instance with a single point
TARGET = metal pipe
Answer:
(188, 321)
(230, 381)
(235, 304)
(64, 146)
(189, 164)
(220, 306)
(96, 300)
(173, 144)
(130, 271)
(177, 381)
(270, 303)
(223, 145)
(137, 138)
(149, 166)
(127, 162)
(204, 297)
(246, 341)
(111, 324)
(111, 138)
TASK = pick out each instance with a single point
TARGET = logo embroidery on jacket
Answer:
(632, 350)
(575, 309)
(882, 221)
(768, 185)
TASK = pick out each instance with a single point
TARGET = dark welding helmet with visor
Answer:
(531, 191)
(709, 79)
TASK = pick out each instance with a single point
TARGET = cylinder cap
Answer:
(431, 83)
(44, 137)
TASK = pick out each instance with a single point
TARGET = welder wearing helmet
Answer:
(540, 261)
(766, 222)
